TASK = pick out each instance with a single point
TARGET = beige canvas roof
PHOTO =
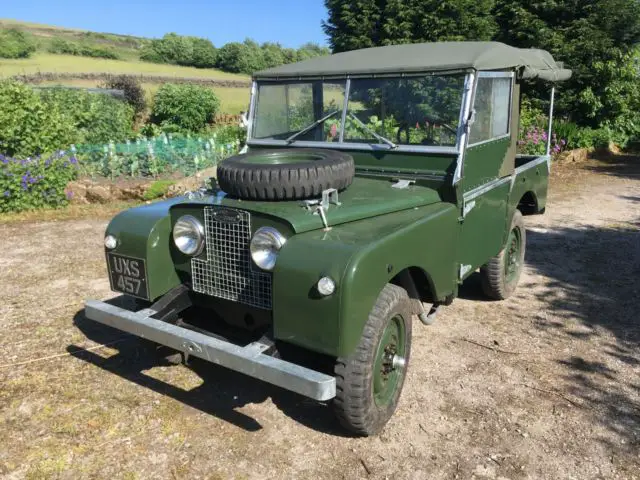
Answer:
(426, 57)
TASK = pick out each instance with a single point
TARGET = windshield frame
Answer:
(341, 144)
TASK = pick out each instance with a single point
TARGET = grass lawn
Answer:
(46, 62)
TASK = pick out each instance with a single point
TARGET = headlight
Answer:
(188, 235)
(110, 242)
(264, 247)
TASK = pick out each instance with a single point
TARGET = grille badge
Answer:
(226, 215)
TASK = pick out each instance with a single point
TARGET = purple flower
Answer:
(73, 160)
(69, 195)
(7, 193)
(563, 142)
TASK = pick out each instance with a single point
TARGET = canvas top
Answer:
(426, 57)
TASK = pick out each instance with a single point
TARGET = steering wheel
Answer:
(433, 123)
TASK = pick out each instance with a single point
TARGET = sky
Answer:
(288, 22)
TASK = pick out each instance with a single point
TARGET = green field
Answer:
(233, 99)
(47, 62)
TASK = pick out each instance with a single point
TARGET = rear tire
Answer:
(500, 276)
(370, 380)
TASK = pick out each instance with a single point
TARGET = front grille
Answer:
(228, 271)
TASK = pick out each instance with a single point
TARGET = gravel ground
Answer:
(543, 385)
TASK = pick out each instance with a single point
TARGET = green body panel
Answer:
(484, 227)
(483, 162)
(366, 197)
(361, 257)
(532, 179)
(145, 232)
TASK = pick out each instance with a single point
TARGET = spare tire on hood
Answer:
(287, 174)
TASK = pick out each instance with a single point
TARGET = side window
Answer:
(493, 108)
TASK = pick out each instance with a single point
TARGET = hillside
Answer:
(86, 71)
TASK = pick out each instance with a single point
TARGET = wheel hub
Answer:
(390, 361)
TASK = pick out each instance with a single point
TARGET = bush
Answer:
(16, 44)
(158, 189)
(29, 126)
(226, 135)
(35, 182)
(65, 47)
(133, 91)
(246, 57)
(97, 118)
(204, 53)
(184, 107)
(180, 50)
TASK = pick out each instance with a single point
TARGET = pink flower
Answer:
(333, 131)
(418, 125)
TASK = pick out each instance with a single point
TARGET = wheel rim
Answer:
(512, 261)
(389, 364)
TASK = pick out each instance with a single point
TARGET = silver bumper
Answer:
(248, 360)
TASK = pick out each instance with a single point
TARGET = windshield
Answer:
(390, 111)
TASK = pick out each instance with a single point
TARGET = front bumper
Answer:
(249, 359)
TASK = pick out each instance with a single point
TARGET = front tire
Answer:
(370, 380)
(500, 276)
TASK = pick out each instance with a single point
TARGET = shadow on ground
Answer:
(593, 283)
(221, 393)
(624, 165)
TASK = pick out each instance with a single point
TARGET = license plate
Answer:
(128, 275)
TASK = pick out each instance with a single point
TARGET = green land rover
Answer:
(375, 182)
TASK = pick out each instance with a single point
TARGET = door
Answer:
(487, 169)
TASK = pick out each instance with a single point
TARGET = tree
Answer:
(366, 23)
(204, 53)
(273, 54)
(595, 38)
(246, 57)
(310, 50)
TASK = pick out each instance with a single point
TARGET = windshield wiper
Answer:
(372, 132)
(310, 127)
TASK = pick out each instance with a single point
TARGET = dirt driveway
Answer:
(544, 385)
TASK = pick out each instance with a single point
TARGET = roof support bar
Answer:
(553, 96)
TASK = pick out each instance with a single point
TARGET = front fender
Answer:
(361, 257)
(145, 232)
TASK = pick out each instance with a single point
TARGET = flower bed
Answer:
(38, 182)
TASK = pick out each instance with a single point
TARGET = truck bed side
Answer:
(530, 184)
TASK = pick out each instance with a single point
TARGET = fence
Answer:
(164, 155)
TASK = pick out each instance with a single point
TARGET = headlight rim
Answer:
(199, 229)
(280, 241)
